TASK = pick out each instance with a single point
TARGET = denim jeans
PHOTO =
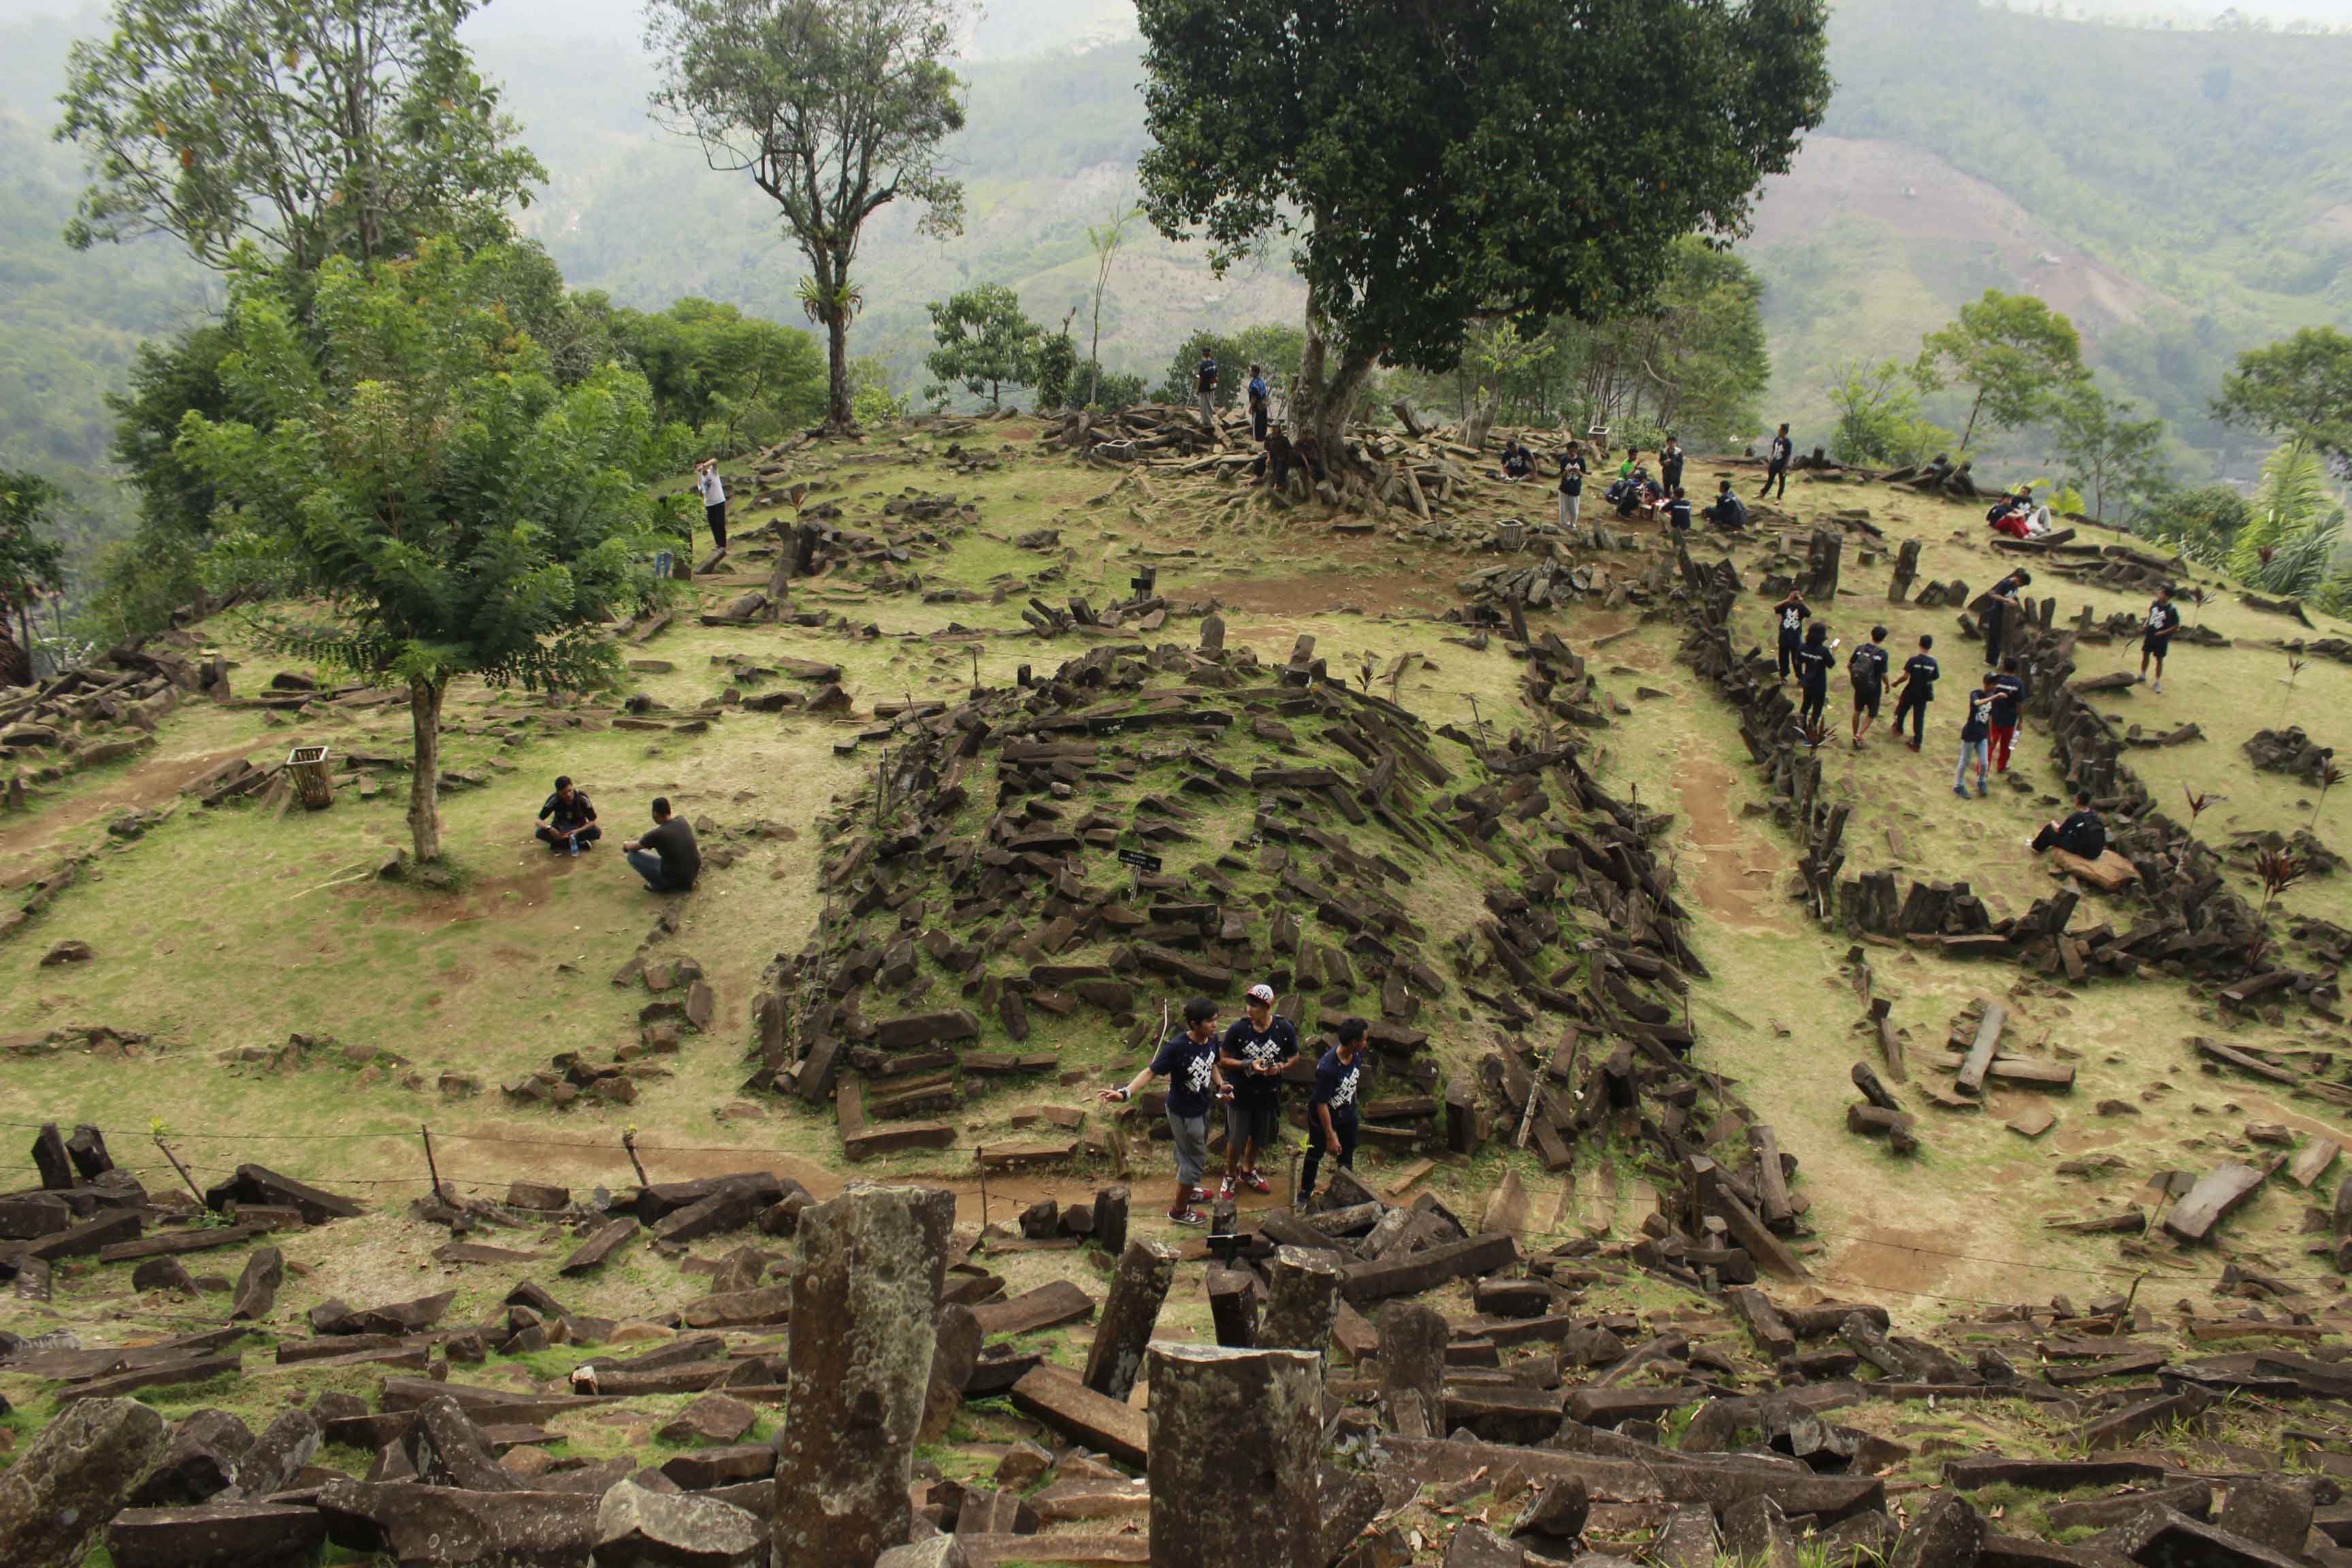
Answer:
(1343, 1124)
(648, 864)
(1970, 752)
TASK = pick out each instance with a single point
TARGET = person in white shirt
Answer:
(714, 500)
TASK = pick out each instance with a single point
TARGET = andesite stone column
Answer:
(1303, 1305)
(1138, 1287)
(865, 1307)
(1413, 1368)
(1236, 1440)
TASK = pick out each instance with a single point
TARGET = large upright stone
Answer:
(62, 1491)
(1110, 1220)
(277, 1456)
(1303, 1301)
(1236, 1437)
(865, 1307)
(50, 1159)
(1413, 1368)
(1822, 565)
(954, 1355)
(1138, 1287)
(1212, 634)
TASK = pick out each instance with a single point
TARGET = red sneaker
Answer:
(1256, 1183)
(1188, 1216)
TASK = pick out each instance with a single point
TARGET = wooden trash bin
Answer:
(307, 766)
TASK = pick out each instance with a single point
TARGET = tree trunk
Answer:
(425, 771)
(1481, 421)
(1974, 408)
(840, 413)
(1326, 402)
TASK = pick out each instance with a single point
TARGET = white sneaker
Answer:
(2159, 686)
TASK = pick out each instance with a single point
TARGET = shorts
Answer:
(1259, 1122)
(1190, 1135)
(2157, 647)
(1866, 700)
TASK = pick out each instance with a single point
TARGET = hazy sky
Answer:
(620, 18)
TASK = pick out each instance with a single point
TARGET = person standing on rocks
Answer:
(1976, 726)
(1572, 486)
(2156, 636)
(1260, 404)
(1205, 381)
(666, 855)
(1188, 1059)
(714, 501)
(1331, 1113)
(1256, 1048)
(1867, 672)
(2010, 692)
(1790, 615)
(1783, 453)
(1678, 514)
(1670, 465)
(1916, 689)
(1814, 680)
(2004, 603)
(567, 821)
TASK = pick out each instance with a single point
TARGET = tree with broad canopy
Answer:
(1438, 166)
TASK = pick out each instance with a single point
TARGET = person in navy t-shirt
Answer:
(1188, 1059)
(1331, 1113)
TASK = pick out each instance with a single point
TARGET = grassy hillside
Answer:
(2183, 196)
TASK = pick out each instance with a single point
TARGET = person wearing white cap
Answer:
(1256, 1048)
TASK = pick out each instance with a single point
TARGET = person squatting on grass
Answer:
(1331, 1113)
(1258, 1047)
(1188, 1059)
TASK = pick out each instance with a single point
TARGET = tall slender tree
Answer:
(2299, 389)
(2023, 358)
(409, 473)
(312, 128)
(1438, 165)
(834, 108)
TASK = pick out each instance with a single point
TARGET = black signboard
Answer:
(1140, 861)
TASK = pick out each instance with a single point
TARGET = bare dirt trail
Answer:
(149, 783)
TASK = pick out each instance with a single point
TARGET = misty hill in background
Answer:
(2183, 196)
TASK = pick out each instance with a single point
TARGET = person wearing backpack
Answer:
(1868, 670)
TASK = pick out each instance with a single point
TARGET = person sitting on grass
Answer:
(1728, 510)
(1188, 1058)
(2082, 835)
(567, 821)
(1519, 463)
(666, 855)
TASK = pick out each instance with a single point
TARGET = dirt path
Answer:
(153, 781)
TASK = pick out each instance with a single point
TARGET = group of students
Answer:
(1242, 1070)
(666, 856)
